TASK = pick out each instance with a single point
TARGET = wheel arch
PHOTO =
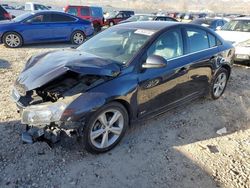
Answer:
(11, 32)
(228, 68)
(127, 107)
(77, 30)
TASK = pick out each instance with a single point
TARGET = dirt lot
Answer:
(178, 149)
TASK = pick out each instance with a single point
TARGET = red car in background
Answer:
(4, 15)
(91, 13)
(115, 17)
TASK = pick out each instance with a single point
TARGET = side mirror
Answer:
(154, 61)
(218, 28)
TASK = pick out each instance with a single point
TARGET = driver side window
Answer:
(169, 45)
(39, 18)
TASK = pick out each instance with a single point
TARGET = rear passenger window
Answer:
(197, 40)
(62, 18)
(72, 10)
(212, 40)
(85, 11)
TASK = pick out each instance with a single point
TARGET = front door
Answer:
(164, 87)
(37, 29)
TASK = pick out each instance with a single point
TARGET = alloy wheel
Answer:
(78, 38)
(12, 40)
(220, 84)
(107, 128)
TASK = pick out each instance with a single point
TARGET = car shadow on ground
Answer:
(4, 64)
(242, 63)
(146, 156)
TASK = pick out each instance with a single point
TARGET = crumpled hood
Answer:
(234, 36)
(44, 68)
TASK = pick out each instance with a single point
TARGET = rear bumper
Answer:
(89, 31)
(242, 54)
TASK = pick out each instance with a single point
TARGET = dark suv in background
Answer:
(4, 15)
(93, 14)
(115, 17)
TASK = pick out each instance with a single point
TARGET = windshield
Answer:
(111, 14)
(119, 44)
(141, 18)
(22, 17)
(237, 25)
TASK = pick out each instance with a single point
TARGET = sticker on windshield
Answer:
(144, 32)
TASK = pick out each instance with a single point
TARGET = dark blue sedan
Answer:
(122, 75)
(44, 26)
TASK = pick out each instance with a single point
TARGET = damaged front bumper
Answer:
(52, 132)
(48, 120)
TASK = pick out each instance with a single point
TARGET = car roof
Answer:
(83, 6)
(149, 25)
(47, 11)
(242, 18)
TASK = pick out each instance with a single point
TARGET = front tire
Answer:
(12, 40)
(78, 37)
(219, 83)
(105, 129)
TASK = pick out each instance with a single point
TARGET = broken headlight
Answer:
(43, 114)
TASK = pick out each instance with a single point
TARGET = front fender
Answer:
(122, 89)
(83, 106)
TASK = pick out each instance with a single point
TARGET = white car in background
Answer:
(237, 31)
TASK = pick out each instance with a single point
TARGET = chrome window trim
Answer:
(174, 58)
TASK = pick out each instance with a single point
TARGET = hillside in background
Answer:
(219, 6)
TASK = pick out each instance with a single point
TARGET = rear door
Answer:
(201, 56)
(62, 26)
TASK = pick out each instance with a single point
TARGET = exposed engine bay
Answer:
(68, 84)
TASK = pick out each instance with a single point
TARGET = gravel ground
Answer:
(177, 149)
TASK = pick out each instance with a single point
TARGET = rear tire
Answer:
(77, 37)
(12, 40)
(105, 129)
(111, 24)
(219, 84)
